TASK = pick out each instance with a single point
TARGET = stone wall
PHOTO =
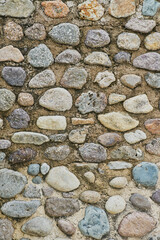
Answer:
(79, 119)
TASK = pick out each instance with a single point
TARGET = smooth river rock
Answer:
(66, 226)
(152, 41)
(127, 152)
(57, 153)
(109, 139)
(7, 99)
(153, 79)
(90, 197)
(129, 41)
(140, 202)
(140, 25)
(97, 38)
(68, 56)
(52, 122)
(22, 155)
(148, 61)
(115, 204)
(29, 138)
(10, 53)
(118, 182)
(121, 8)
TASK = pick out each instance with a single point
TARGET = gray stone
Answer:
(97, 38)
(11, 183)
(37, 180)
(40, 56)
(57, 153)
(131, 80)
(38, 226)
(33, 169)
(140, 202)
(18, 119)
(20, 209)
(66, 226)
(6, 229)
(140, 25)
(65, 33)
(58, 137)
(150, 7)
(47, 191)
(74, 78)
(91, 152)
(68, 56)
(43, 79)
(7, 99)
(91, 102)
(122, 57)
(29, 138)
(119, 165)
(153, 79)
(4, 144)
(129, 41)
(104, 79)
(32, 191)
(14, 76)
(22, 155)
(45, 168)
(98, 58)
(134, 137)
(2, 156)
(148, 61)
(36, 32)
(127, 152)
(153, 147)
(156, 196)
(109, 139)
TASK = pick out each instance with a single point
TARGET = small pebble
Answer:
(66, 226)
(118, 182)
(90, 177)
(33, 169)
(45, 168)
(25, 99)
(90, 197)
(115, 204)
(37, 180)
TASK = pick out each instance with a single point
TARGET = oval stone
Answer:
(52, 122)
(129, 41)
(18, 119)
(140, 202)
(148, 61)
(29, 138)
(121, 8)
(67, 227)
(7, 99)
(118, 182)
(109, 139)
(57, 153)
(153, 79)
(98, 58)
(68, 56)
(140, 25)
(115, 204)
(90, 197)
(152, 41)
(97, 38)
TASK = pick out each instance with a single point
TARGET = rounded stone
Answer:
(153, 125)
(29, 138)
(7, 99)
(131, 80)
(52, 122)
(45, 168)
(129, 41)
(118, 182)
(43, 79)
(98, 58)
(109, 139)
(152, 41)
(14, 76)
(127, 152)
(25, 99)
(153, 79)
(68, 56)
(119, 165)
(36, 32)
(32, 191)
(6, 229)
(33, 169)
(90, 197)
(122, 57)
(13, 31)
(4, 144)
(140, 25)
(90, 177)
(153, 147)
(18, 119)
(37, 180)
(55, 9)
(58, 153)
(104, 79)
(156, 196)
(57, 99)
(122, 8)
(115, 204)
(140, 202)
(97, 38)
(67, 227)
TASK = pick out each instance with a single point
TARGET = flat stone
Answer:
(146, 174)
(20, 209)
(57, 99)
(18, 119)
(13, 31)
(66, 33)
(153, 147)
(29, 138)
(43, 79)
(66, 227)
(25, 99)
(52, 122)
(62, 179)
(38, 226)
(115, 204)
(150, 7)
(7, 99)
(119, 165)
(127, 152)
(91, 102)
(58, 137)
(97, 38)
(11, 183)
(90, 10)
(37, 180)
(32, 191)
(18, 8)
(95, 223)
(140, 25)
(135, 137)
(4, 144)
(45, 168)
(140, 202)
(138, 104)
(58, 153)
(90, 197)
(74, 78)
(136, 224)
(148, 61)
(131, 80)
(9, 53)
(36, 32)
(92, 152)
(152, 41)
(33, 169)
(68, 56)
(116, 98)
(61, 207)
(153, 125)
(40, 56)
(153, 79)
(82, 121)
(118, 121)
(22, 155)
(122, 57)
(6, 229)
(129, 41)
(122, 8)
(98, 58)
(14, 76)
(156, 196)
(118, 182)
(104, 79)
(55, 9)
(109, 139)
(78, 135)
(90, 177)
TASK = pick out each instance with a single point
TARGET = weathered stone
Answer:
(7, 99)
(58, 137)
(67, 227)
(138, 104)
(13, 31)
(153, 79)
(11, 183)
(68, 56)
(118, 182)
(122, 57)
(115, 204)
(33, 169)
(156, 196)
(47, 191)
(2, 157)
(118, 121)
(116, 98)
(78, 135)
(109, 139)
(4, 144)
(119, 165)
(36, 32)
(58, 207)
(127, 152)
(29, 138)
(65, 33)
(149, 61)
(18, 8)
(43, 79)
(152, 41)
(146, 174)
(14, 76)
(90, 177)
(6, 229)
(45, 168)
(57, 99)
(20, 209)
(136, 224)
(38, 226)
(52, 122)
(91, 102)
(55, 9)
(153, 125)
(98, 58)
(32, 191)
(97, 38)
(22, 155)
(95, 223)
(91, 152)
(18, 119)
(9, 53)
(129, 41)
(104, 79)
(1, 123)
(62, 179)
(131, 80)
(37, 180)
(74, 78)
(90, 197)
(122, 8)
(40, 56)
(140, 25)
(140, 202)
(150, 7)
(25, 99)
(58, 153)
(134, 137)
(82, 121)
(153, 147)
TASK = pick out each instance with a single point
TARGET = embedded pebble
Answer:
(13, 31)
(33, 169)
(68, 56)
(66, 226)
(104, 79)
(4, 144)
(78, 135)
(127, 152)
(140, 25)
(122, 57)
(115, 204)
(109, 139)
(121, 8)
(22, 155)
(152, 41)
(14, 76)
(118, 182)
(47, 191)
(2, 156)
(25, 99)
(90, 197)
(43, 79)
(153, 125)
(131, 80)
(36, 32)
(90, 177)
(37, 180)
(119, 165)
(134, 137)
(140, 202)
(10, 53)
(52, 122)
(58, 137)
(148, 61)
(6, 229)
(116, 98)
(129, 41)
(82, 121)
(156, 196)
(153, 79)
(18, 119)
(45, 168)
(29, 138)
(32, 191)
(153, 147)
(150, 8)
(55, 9)
(58, 153)
(98, 58)
(7, 99)
(97, 38)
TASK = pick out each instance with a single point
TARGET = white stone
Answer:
(90, 196)
(98, 58)
(45, 168)
(29, 138)
(116, 98)
(90, 177)
(118, 182)
(1, 123)
(52, 122)
(118, 165)
(104, 79)
(129, 41)
(134, 137)
(43, 79)
(115, 204)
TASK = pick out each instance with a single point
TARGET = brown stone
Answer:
(13, 31)
(82, 121)
(36, 32)
(109, 139)
(121, 8)
(153, 147)
(10, 53)
(67, 227)
(136, 224)
(55, 9)
(25, 99)
(153, 125)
